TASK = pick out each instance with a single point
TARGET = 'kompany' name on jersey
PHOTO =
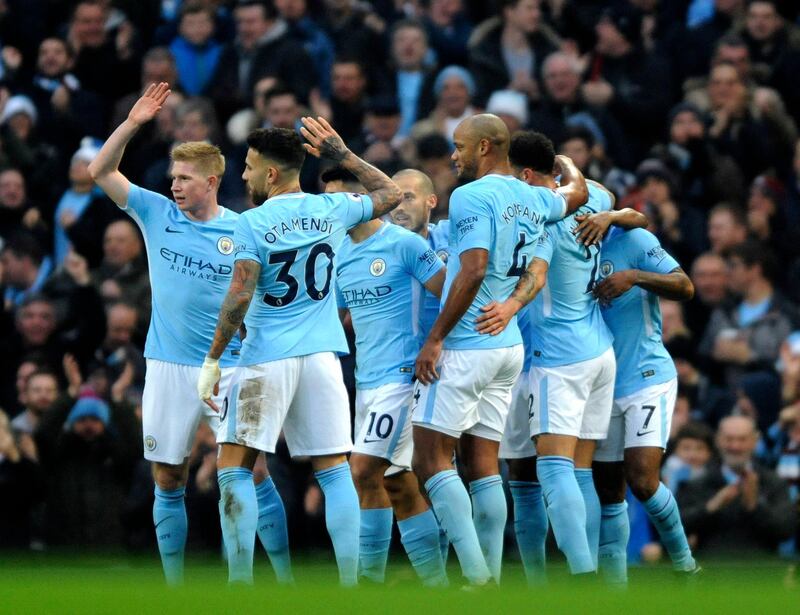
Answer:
(298, 224)
(516, 210)
(354, 297)
(195, 267)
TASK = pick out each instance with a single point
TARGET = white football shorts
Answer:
(516, 442)
(171, 410)
(641, 419)
(303, 396)
(383, 424)
(574, 400)
(473, 392)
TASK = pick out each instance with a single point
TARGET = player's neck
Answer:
(204, 213)
(365, 230)
(495, 167)
(287, 188)
(423, 232)
(543, 181)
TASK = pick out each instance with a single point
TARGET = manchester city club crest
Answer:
(606, 268)
(225, 245)
(442, 254)
(150, 443)
(377, 267)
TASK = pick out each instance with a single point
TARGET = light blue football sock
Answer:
(615, 529)
(169, 518)
(454, 511)
(444, 545)
(420, 536)
(238, 511)
(592, 503)
(566, 510)
(662, 509)
(374, 540)
(342, 517)
(489, 514)
(273, 531)
(530, 528)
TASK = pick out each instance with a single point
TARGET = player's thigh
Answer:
(171, 411)
(517, 442)
(601, 372)
(383, 426)
(648, 415)
(258, 400)
(497, 393)
(318, 421)
(611, 449)
(450, 404)
(559, 397)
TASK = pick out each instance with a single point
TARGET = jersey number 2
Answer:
(287, 259)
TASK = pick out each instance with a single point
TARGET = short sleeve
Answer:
(544, 246)
(244, 241)
(350, 208)
(553, 202)
(420, 260)
(145, 206)
(650, 256)
(601, 197)
(340, 302)
(471, 220)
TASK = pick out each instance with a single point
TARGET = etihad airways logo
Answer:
(194, 267)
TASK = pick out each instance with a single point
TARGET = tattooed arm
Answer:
(234, 307)
(324, 142)
(231, 317)
(496, 316)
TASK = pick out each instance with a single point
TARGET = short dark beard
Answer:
(259, 198)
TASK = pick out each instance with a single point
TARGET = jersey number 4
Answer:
(518, 267)
(287, 259)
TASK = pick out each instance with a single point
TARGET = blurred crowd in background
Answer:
(686, 109)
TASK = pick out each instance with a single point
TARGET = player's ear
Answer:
(431, 202)
(272, 175)
(213, 182)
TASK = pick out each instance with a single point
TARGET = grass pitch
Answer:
(99, 584)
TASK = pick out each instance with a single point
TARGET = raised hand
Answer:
(150, 103)
(73, 373)
(323, 140)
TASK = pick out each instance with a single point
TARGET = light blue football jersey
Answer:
(524, 324)
(296, 237)
(190, 267)
(505, 216)
(566, 324)
(635, 317)
(380, 281)
(438, 238)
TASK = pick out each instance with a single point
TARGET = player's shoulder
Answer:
(148, 197)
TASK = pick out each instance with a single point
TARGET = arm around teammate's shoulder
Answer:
(104, 169)
(573, 185)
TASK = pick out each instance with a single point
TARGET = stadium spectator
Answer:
(88, 449)
(380, 143)
(348, 97)
(24, 268)
(581, 146)
(696, 53)
(118, 348)
(768, 37)
(709, 275)
(511, 107)
(16, 211)
(727, 228)
(746, 335)
(41, 391)
(412, 75)
(633, 84)
(158, 65)
(766, 219)
(196, 53)
(448, 28)
(356, 30)
(433, 156)
(692, 449)
(507, 52)
(739, 506)
(20, 488)
(454, 89)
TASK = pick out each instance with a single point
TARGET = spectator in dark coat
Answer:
(739, 506)
(20, 490)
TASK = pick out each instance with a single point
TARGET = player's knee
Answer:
(168, 477)
(643, 486)
(400, 493)
(366, 477)
(609, 482)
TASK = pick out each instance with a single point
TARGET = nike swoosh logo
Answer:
(644, 433)
(371, 441)
(172, 230)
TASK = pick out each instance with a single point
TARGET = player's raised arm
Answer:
(104, 169)
(497, 315)
(231, 317)
(573, 185)
(325, 142)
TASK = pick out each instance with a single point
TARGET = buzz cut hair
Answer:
(423, 181)
(532, 150)
(206, 157)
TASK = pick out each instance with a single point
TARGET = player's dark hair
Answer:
(281, 145)
(532, 150)
(22, 244)
(278, 90)
(340, 174)
(752, 253)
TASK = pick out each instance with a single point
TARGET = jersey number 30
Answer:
(287, 259)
